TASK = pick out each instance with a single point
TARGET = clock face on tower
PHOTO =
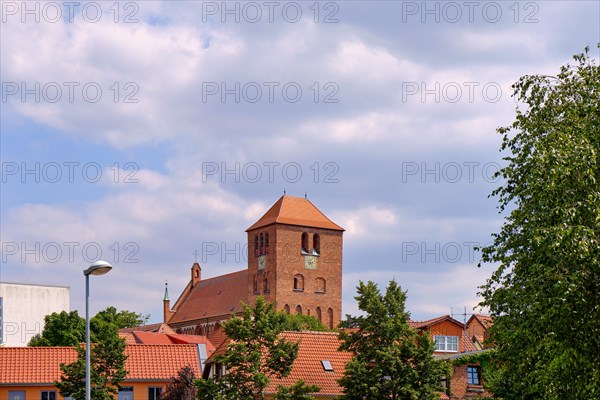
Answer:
(310, 262)
(262, 262)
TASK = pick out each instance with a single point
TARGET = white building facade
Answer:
(23, 308)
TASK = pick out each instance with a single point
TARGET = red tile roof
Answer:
(159, 327)
(485, 320)
(219, 296)
(298, 211)
(314, 347)
(433, 321)
(33, 364)
(161, 362)
(27, 365)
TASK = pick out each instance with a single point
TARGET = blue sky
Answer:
(129, 116)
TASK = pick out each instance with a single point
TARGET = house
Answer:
(294, 261)
(23, 308)
(318, 363)
(28, 373)
(453, 342)
(478, 329)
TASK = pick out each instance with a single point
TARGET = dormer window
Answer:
(304, 244)
(446, 343)
(316, 244)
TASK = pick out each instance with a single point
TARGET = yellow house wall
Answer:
(140, 390)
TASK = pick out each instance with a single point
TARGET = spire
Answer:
(166, 298)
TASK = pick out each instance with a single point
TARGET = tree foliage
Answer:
(61, 329)
(544, 293)
(107, 366)
(68, 328)
(181, 386)
(300, 322)
(392, 360)
(255, 354)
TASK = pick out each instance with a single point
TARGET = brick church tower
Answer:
(295, 260)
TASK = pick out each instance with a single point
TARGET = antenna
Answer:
(305, 195)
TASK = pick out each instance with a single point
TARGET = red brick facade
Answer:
(306, 281)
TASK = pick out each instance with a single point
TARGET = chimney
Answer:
(196, 274)
(166, 305)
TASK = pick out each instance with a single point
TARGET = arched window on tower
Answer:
(330, 318)
(304, 243)
(298, 309)
(298, 283)
(286, 309)
(266, 285)
(255, 284)
(266, 243)
(255, 245)
(320, 285)
(316, 244)
(318, 312)
(262, 244)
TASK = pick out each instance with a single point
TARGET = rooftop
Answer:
(290, 210)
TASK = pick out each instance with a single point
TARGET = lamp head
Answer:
(98, 268)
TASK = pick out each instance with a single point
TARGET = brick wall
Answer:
(284, 261)
(460, 388)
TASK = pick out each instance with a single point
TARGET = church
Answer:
(294, 261)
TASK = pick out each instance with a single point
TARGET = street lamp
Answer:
(98, 268)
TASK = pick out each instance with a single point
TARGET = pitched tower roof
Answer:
(290, 210)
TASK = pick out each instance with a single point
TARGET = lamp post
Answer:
(98, 268)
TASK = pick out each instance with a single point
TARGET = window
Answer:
(298, 283)
(255, 245)
(327, 365)
(218, 370)
(154, 393)
(320, 285)
(255, 284)
(304, 242)
(286, 309)
(316, 244)
(446, 343)
(266, 242)
(16, 395)
(262, 244)
(266, 285)
(125, 393)
(298, 309)
(330, 317)
(48, 395)
(474, 375)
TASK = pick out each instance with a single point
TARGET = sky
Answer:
(154, 133)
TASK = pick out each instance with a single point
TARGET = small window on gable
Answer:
(327, 365)
(305, 242)
(320, 285)
(316, 244)
(298, 283)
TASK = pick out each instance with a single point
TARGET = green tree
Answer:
(300, 322)
(544, 292)
(61, 329)
(255, 354)
(68, 329)
(391, 359)
(181, 386)
(107, 362)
